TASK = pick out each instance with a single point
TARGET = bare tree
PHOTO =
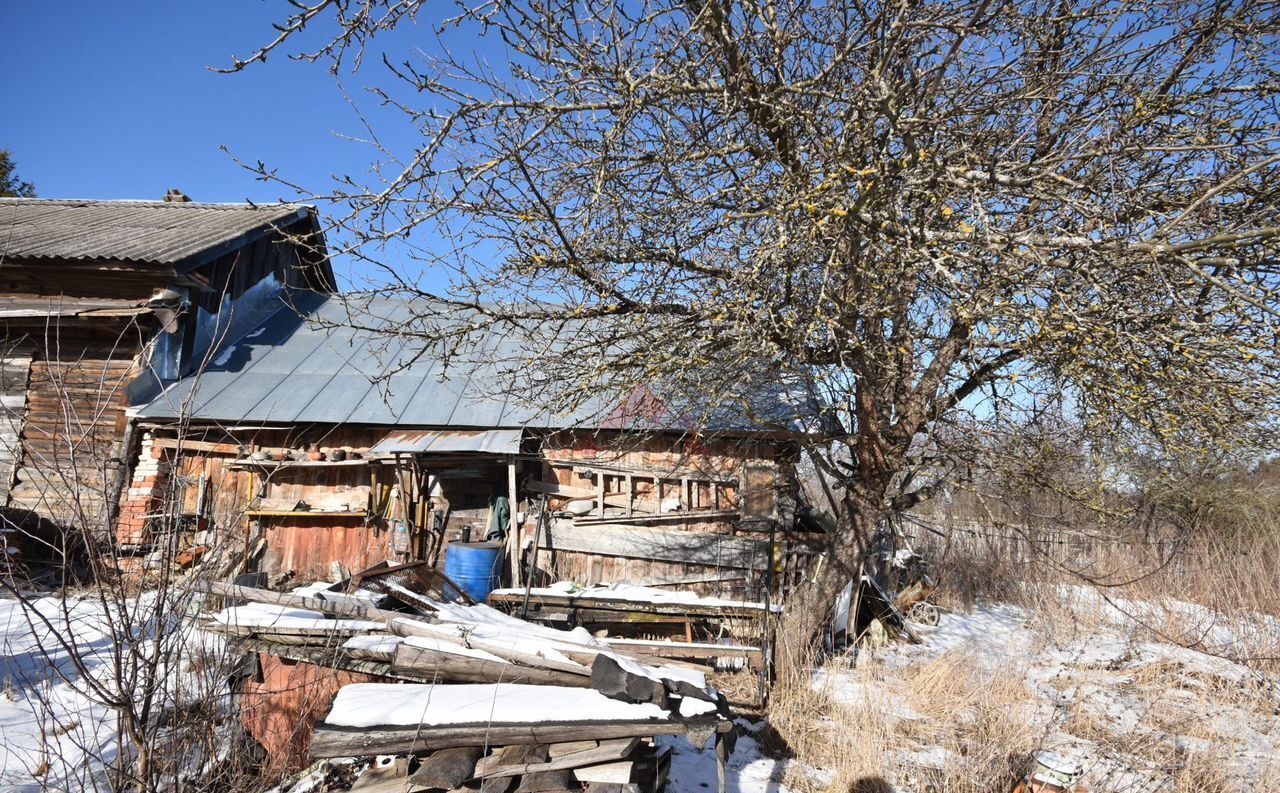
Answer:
(124, 691)
(917, 212)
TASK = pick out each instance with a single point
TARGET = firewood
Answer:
(603, 752)
(497, 784)
(546, 782)
(447, 769)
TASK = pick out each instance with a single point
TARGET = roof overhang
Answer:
(448, 441)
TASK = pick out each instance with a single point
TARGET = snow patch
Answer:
(409, 705)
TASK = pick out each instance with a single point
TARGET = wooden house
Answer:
(314, 446)
(102, 304)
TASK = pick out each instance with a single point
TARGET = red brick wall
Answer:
(139, 499)
(282, 711)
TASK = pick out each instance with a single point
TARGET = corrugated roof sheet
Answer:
(152, 232)
(306, 363)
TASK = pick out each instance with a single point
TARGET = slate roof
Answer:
(183, 234)
(306, 364)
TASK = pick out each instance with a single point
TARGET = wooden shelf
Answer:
(258, 513)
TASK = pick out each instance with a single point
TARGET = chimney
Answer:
(176, 196)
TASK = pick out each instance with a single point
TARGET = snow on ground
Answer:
(749, 769)
(58, 662)
(1112, 689)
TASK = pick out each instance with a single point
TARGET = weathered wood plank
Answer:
(602, 752)
(610, 499)
(583, 602)
(448, 769)
(458, 668)
(335, 742)
(686, 649)
(648, 542)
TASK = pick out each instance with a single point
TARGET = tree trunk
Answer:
(809, 607)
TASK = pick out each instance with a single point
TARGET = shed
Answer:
(324, 444)
(101, 303)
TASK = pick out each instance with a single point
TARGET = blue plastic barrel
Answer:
(474, 567)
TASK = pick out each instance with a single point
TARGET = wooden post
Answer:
(513, 526)
(631, 494)
(600, 492)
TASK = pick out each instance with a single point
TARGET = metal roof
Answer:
(308, 364)
(151, 232)
(445, 441)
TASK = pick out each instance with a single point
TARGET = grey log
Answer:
(447, 769)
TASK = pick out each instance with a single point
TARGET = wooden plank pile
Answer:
(628, 609)
(483, 701)
(511, 737)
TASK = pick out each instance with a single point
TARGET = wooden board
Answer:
(686, 649)
(603, 604)
(337, 742)
(602, 752)
(459, 668)
(648, 542)
(582, 493)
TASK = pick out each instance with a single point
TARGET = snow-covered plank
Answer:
(634, 597)
(366, 705)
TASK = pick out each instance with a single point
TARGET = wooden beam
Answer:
(453, 667)
(497, 647)
(196, 446)
(339, 742)
(579, 602)
(337, 604)
(686, 649)
(513, 525)
(570, 491)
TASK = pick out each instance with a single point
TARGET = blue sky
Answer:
(115, 100)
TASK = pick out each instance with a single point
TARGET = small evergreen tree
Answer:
(10, 185)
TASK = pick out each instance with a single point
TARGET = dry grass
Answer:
(1163, 678)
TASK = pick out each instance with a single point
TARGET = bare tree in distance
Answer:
(927, 215)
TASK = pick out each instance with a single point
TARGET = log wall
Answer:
(74, 420)
(15, 366)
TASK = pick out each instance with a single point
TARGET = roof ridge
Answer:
(145, 202)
